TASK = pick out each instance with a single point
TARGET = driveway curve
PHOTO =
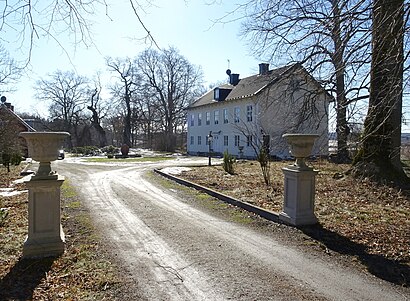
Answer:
(172, 250)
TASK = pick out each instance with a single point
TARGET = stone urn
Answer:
(44, 147)
(299, 190)
(301, 147)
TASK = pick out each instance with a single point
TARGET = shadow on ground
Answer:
(23, 278)
(381, 267)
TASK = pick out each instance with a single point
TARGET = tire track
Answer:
(174, 251)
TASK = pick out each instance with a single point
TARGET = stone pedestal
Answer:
(45, 234)
(299, 196)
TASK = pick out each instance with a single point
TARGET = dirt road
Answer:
(171, 250)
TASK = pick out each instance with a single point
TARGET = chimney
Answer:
(263, 68)
(234, 79)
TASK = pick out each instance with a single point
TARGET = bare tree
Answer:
(98, 111)
(10, 71)
(379, 157)
(330, 38)
(124, 90)
(32, 20)
(115, 128)
(149, 118)
(174, 83)
(66, 93)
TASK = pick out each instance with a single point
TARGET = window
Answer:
(199, 140)
(199, 119)
(192, 123)
(225, 140)
(249, 113)
(216, 94)
(192, 140)
(248, 140)
(237, 140)
(208, 118)
(216, 117)
(236, 114)
(225, 115)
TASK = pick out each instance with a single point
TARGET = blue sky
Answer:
(186, 25)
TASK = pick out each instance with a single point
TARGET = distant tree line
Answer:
(146, 105)
(358, 49)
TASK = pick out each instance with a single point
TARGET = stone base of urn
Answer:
(299, 196)
(45, 234)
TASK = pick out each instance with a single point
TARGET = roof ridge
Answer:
(288, 68)
(251, 85)
(29, 127)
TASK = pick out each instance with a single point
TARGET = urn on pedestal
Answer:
(299, 190)
(45, 234)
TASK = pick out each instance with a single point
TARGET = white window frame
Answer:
(216, 117)
(237, 140)
(225, 115)
(226, 140)
(249, 113)
(249, 140)
(216, 94)
(236, 114)
(199, 119)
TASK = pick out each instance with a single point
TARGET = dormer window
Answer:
(216, 94)
(220, 94)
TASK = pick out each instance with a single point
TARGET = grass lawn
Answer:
(128, 160)
(83, 272)
(356, 217)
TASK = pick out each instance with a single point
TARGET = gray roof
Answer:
(21, 120)
(247, 87)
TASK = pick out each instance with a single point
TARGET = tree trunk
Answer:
(379, 157)
(126, 135)
(102, 138)
(342, 127)
(341, 106)
(68, 128)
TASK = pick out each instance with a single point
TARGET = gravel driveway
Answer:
(170, 249)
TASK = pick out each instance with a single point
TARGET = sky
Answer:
(187, 25)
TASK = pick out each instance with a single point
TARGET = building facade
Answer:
(10, 126)
(245, 114)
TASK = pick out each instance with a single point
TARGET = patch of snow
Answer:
(6, 189)
(22, 180)
(10, 192)
(175, 170)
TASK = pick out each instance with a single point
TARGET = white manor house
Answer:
(245, 114)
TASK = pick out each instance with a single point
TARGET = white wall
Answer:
(275, 112)
(221, 129)
(296, 105)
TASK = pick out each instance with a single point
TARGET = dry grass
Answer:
(354, 215)
(373, 217)
(83, 272)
